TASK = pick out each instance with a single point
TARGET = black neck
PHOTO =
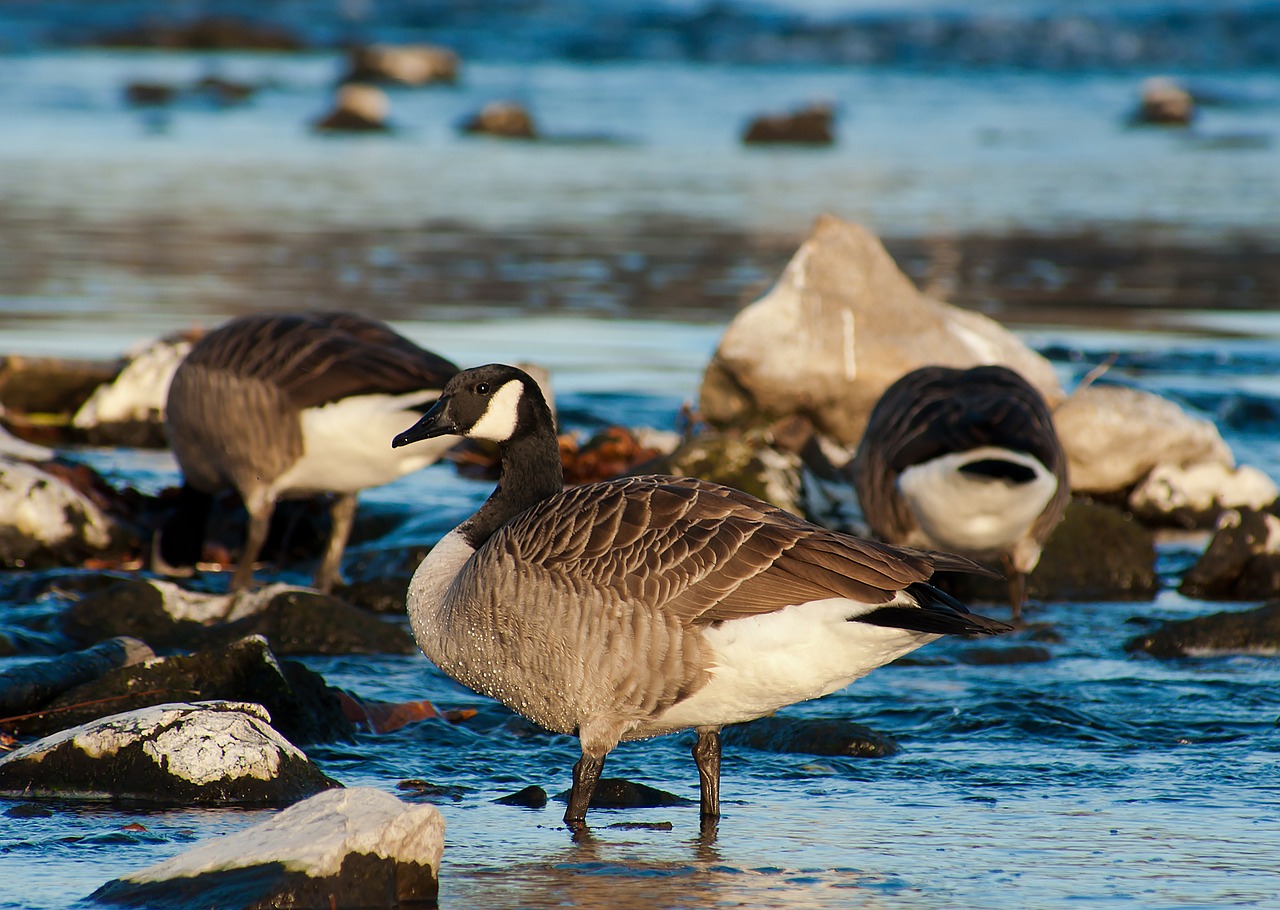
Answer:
(531, 472)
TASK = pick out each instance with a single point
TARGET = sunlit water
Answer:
(1092, 779)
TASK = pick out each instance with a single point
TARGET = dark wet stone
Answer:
(812, 125)
(502, 119)
(995, 655)
(618, 793)
(378, 595)
(1241, 562)
(149, 94)
(205, 34)
(302, 707)
(28, 810)
(294, 621)
(1097, 552)
(430, 791)
(809, 736)
(531, 797)
(25, 688)
(1255, 631)
(355, 848)
(215, 753)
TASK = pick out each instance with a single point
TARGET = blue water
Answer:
(1092, 779)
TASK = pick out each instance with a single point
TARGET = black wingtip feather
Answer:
(937, 613)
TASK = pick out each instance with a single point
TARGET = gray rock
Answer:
(1255, 631)
(303, 708)
(1242, 561)
(25, 688)
(294, 620)
(349, 848)
(212, 753)
(810, 736)
(841, 324)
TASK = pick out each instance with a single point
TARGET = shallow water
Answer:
(1093, 778)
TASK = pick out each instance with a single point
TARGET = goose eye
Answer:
(482, 388)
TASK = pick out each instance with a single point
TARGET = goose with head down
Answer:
(966, 461)
(645, 605)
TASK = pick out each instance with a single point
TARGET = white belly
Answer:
(764, 663)
(347, 445)
(963, 513)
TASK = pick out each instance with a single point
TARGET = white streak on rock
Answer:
(139, 392)
(43, 508)
(193, 606)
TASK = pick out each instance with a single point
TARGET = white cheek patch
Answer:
(498, 422)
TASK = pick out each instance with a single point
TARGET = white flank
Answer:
(968, 513)
(763, 663)
(498, 421)
(316, 835)
(347, 445)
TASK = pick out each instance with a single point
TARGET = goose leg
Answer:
(343, 513)
(259, 523)
(586, 774)
(706, 755)
(1017, 591)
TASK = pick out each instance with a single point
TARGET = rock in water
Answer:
(842, 323)
(349, 848)
(1254, 631)
(209, 753)
(1242, 561)
(29, 686)
(44, 519)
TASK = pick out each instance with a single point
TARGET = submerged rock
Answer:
(841, 324)
(357, 108)
(304, 709)
(1255, 631)
(810, 736)
(1242, 561)
(504, 119)
(294, 620)
(211, 753)
(618, 793)
(349, 848)
(810, 125)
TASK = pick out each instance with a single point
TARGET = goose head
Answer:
(495, 402)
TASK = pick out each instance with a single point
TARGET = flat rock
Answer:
(303, 708)
(842, 323)
(210, 753)
(1242, 560)
(809, 736)
(294, 620)
(1255, 631)
(358, 847)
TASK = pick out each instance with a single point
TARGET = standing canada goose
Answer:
(284, 405)
(966, 461)
(644, 605)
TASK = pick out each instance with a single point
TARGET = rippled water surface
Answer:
(1093, 778)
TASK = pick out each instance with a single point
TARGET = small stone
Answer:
(810, 125)
(809, 736)
(531, 797)
(617, 793)
(1242, 560)
(503, 119)
(357, 108)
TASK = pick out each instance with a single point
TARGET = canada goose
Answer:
(966, 461)
(644, 605)
(283, 405)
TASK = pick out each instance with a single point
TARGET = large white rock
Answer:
(344, 848)
(203, 753)
(40, 513)
(140, 390)
(1114, 436)
(841, 324)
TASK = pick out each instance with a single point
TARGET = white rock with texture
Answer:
(1203, 488)
(139, 391)
(41, 510)
(841, 324)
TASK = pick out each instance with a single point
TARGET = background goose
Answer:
(645, 605)
(281, 405)
(966, 461)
